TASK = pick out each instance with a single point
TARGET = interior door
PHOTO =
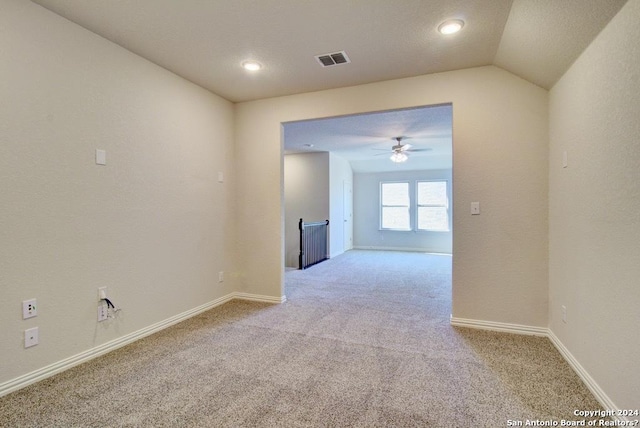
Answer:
(347, 207)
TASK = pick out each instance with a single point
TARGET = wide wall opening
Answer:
(382, 179)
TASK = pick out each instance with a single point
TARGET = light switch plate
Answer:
(475, 208)
(101, 157)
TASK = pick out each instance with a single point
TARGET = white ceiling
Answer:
(365, 140)
(205, 41)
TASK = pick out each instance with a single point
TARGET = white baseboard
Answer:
(499, 326)
(62, 365)
(408, 249)
(259, 298)
(593, 386)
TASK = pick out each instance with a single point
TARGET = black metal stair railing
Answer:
(313, 242)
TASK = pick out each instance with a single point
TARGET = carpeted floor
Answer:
(364, 340)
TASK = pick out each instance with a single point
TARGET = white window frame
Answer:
(408, 206)
(445, 206)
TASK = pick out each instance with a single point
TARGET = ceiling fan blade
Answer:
(420, 150)
(405, 147)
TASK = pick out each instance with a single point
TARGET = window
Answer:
(433, 206)
(394, 206)
(421, 206)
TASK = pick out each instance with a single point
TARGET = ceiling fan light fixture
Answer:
(451, 26)
(398, 157)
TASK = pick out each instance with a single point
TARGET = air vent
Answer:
(327, 60)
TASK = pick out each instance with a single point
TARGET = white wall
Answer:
(594, 251)
(306, 196)
(313, 185)
(500, 158)
(339, 172)
(153, 225)
(367, 233)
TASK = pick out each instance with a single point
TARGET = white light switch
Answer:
(475, 208)
(101, 157)
(220, 177)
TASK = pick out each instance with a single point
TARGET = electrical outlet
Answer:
(564, 314)
(29, 309)
(103, 312)
(31, 337)
(220, 276)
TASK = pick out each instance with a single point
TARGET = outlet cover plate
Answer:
(31, 337)
(103, 312)
(29, 309)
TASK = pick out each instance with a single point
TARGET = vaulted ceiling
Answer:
(206, 42)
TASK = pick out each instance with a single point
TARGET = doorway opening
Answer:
(335, 169)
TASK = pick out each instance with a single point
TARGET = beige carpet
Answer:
(363, 341)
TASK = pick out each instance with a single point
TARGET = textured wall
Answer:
(500, 158)
(153, 225)
(306, 196)
(313, 191)
(542, 38)
(594, 251)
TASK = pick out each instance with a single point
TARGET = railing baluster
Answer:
(313, 243)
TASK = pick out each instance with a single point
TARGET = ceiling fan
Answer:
(399, 151)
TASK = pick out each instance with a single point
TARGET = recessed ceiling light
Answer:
(251, 65)
(451, 26)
